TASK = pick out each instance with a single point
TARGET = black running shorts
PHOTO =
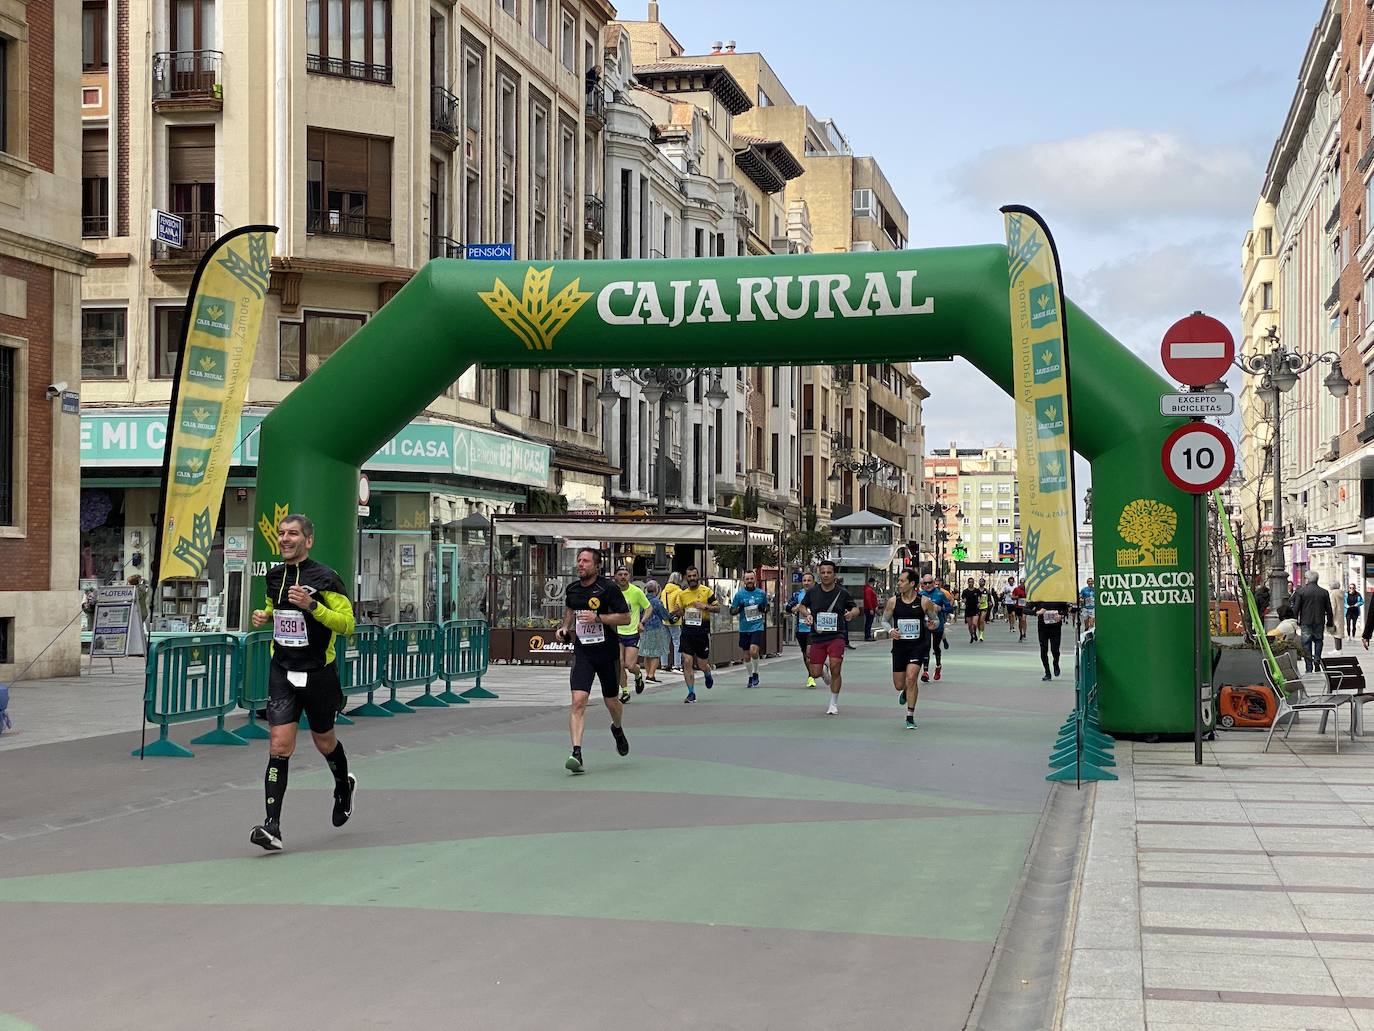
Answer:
(320, 699)
(697, 645)
(908, 653)
(602, 664)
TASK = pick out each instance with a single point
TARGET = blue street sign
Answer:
(169, 229)
(491, 251)
(1006, 549)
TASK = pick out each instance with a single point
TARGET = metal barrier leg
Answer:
(447, 695)
(478, 691)
(395, 706)
(370, 708)
(164, 747)
(253, 730)
(221, 735)
(429, 700)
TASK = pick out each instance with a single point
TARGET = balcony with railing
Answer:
(200, 229)
(594, 216)
(187, 80)
(446, 247)
(340, 223)
(596, 107)
(95, 227)
(321, 65)
(445, 117)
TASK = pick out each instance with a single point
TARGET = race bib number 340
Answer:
(827, 622)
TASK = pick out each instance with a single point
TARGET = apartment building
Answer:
(376, 134)
(41, 265)
(855, 413)
(1253, 510)
(977, 487)
(680, 183)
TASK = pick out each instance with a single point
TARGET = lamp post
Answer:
(939, 511)
(870, 469)
(1279, 369)
(666, 388)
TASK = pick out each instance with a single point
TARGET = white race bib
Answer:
(590, 630)
(289, 629)
(827, 622)
(692, 617)
(910, 629)
(751, 613)
(1052, 618)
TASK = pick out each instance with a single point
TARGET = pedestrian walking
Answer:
(694, 605)
(670, 592)
(828, 606)
(308, 608)
(1354, 601)
(653, 634)
(629, 633)
(870, 608)
(750, 604)
(803, 628)
(911, 618)
(592, 603)
(1049, 629)
(1312, 609)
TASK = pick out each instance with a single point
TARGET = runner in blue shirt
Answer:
(803, 626)
(943, 606)
(750, 603)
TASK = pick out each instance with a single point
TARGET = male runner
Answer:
(803, 627)
(1049, 626)
(1018, 604)
(591, 603)
(1007, 608)
(971, 597)
(943, 607)
(827, 606)
(308, 608)
(629, 633)
(910, 616)
(1087, 601)
(695, 603)
(750, 603)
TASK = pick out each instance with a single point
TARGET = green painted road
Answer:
(752, 864)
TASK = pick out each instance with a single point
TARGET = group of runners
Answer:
(308, 608)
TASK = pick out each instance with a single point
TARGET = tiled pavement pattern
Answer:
(1238, 894)
(752, 864)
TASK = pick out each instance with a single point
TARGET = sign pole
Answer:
(1201, 628)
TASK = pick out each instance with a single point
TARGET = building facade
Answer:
(375, 134)
(977, 487)
(41, 265)
(1251, 518)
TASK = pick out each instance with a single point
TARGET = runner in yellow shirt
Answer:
(629, 633)
(695, 603)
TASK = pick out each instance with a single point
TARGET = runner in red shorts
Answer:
(827, 607)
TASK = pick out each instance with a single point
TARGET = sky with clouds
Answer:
(1139, 131)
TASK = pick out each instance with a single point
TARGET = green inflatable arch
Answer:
(793, 310)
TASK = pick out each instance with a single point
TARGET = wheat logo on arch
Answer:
(535, 317)
(1149, 525)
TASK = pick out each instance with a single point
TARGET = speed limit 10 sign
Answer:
(1198, 457)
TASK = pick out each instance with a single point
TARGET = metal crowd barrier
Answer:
(186, 679)
(1082, 751)
(209, 675)
(465, 654)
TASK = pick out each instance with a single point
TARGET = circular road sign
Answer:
(1197, 350)
(1198, 457)
(364, 489)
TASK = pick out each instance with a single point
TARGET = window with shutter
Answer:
(348, 184)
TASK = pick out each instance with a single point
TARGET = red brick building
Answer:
(41, 265)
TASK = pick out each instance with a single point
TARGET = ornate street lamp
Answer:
(1279, 369)
(666, 388)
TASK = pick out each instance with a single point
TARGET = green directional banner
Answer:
(785, 310)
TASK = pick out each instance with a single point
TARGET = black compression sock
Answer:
(274, 785)
(338, 763)
(577, 751)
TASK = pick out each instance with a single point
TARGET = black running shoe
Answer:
(267, 836)
(343, 801)
(622, 743)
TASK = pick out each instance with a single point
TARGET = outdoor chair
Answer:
(1347, 677)
(1293, 698)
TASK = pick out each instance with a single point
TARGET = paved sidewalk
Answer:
(1238, 894)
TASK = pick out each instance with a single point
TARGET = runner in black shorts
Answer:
(911, 618)
(592, 603)
(308, 608)
(695, 603)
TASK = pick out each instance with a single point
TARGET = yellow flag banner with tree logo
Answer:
(1044, 450)
(219, 336)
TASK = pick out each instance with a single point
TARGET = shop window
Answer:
(103, 343)
(167, 331)
(303, 345)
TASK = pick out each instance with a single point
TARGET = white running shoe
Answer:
(834, 709)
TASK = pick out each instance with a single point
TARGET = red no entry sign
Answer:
(1198, 457)
(1197, 350)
